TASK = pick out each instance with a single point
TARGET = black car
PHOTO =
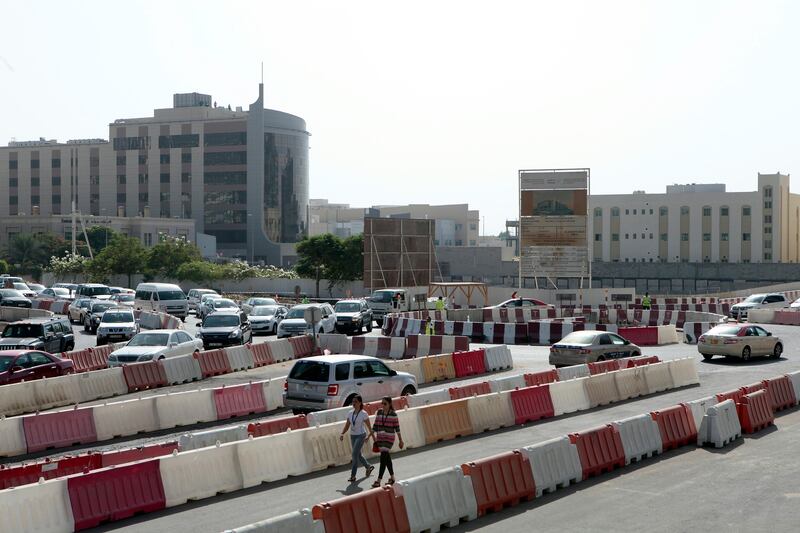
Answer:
(225, 328)
(13, 298)
(353, 316)
(52, 335)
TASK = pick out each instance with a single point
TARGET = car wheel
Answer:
(777, 351)
(321, 331)
(379, 322)
(707, 356)
(85, 326)
(161, 358)
(274, 329)
(600, 358)
(408, 391)
(746, 353)
(369, 326)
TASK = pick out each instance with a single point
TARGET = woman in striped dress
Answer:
(386, 427)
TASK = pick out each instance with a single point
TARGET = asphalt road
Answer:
(684, 490)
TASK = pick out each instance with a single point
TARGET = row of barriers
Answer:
(449, 496)
(85, 500)
(408, 347)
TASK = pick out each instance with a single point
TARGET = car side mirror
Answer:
(173, 344)
(392, 372)
(626, 342)
(769, 334)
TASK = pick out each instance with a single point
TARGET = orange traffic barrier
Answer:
(780, 392)
(213, 363)
(502, 480)
(438, 368)
(262, 354)
(755, 412)
(445, 421)
(140, 376)
(467, 391)
(380, 510)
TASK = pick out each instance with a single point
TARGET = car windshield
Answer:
(578, 337)
(60, 291)
(5, 363)
(209, 297)
(205, 292)
(101, 308)
(265, 310)
(117, 317)
(124, 297)
(382, 296)
(754, 299)
(10, 293)
(96, 291)
(262, 301)
(21, 287)
(310, 371)
(19, 331)
(219, 304)
(724, 330)
(347, 307)
(297, 312)
(220, 321)
(171, 295)
(150, 339)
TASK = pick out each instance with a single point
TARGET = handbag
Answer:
(375, 448)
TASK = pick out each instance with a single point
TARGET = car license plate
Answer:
(714, 341)
(212, 344)
(115, 336)
(306, 387)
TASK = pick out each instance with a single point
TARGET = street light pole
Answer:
(251, 237)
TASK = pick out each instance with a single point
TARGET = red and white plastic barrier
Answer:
(385, 347)
(422, 345)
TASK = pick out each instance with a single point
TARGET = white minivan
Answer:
(164, 297)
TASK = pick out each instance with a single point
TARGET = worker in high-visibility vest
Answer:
(646, 301)
(429, 327)
(440, 304)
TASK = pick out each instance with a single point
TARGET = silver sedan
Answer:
(591, 346)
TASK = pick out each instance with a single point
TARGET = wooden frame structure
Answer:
(467, 288)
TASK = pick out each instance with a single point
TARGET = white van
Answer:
(164, 297)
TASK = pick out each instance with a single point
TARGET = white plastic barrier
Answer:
(683, 372)
(490, 411)
(569, 396)
(555, 463)
(56, 392)
(572, 372)
(239, 357)
(507, 383)
(102, 384)
(412, 366)
(16, 399)
(149, 320)
(12, 314)
(204, 439)
(640, 437)
(428, 397)
(761, 316)
(281, 350)
(658, 377)
(273, 392)
(630, 382)
(182, 369)
(185, 408)
(601, 389)
(328, 416)
(294, 522)
(120, 419)
(12, 437)
(794, 377)
(667, 335)
(699, 408)
(720, 425)
(411, 428)
(199, 474)
(324, 447)
(498, 358)
(444, 497)
(42, 507)
(273, 457)
(335, 343)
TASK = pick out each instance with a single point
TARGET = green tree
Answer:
(348, 264)
(197, 271)
(165, 258)
(26, 251)
(99, 237)
(123, 255)
(68, 264)
(318, 255)
(3, 266)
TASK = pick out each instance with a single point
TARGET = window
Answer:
(55, 199)
(723, 237)
(458, 227)
(663, 237)
(143, 197)
(651, 211)
(55, 163)
(226, 178)
(768, 204)
(706, 237)
(626, 236)
(56, 180)
(615, 211)
(131, 143)
(634, 211)
(143, 179)
(685, 210)
(723, 211)
(342, 371)
(34, 182)
(121, 160)
(651, 236)
(684, 237)
(12, 182)
(767, 256)
(164, 177)
(642, 235)
(663, 211)
(598, 237)
(706, 211)
(164, 159)
(121, 198)
(13, 200)
(634, 236)
(615, 237)
(458, 242)
(768, 229)
(12, 164)
(627, 212)
(35, 199)
(142, 159)
(767, 244)
(186, 177)
(121, 179)
(473, 227)
(598, 211)
(377, 368)
(767, 192)
(745, 236)
(190, 140)
(34, 163)
(148, 239)
(225, 158)
(472, 242)
(186, 158)
(746, 211)
(767, 219)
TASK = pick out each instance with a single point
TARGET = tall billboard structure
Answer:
(399, 252)
(553, 225)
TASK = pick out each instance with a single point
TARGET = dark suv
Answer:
(52, 335)
(225, 328)
(353, 316)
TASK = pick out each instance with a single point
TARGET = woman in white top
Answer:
(358, 424)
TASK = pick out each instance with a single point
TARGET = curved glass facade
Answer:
(285, 185)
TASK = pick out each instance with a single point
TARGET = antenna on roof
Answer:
(262, 72)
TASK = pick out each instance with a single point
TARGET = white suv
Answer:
(295, 322)
(116, 325)
(758, 301)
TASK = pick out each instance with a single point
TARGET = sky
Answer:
(435, 102)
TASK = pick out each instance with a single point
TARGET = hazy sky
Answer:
(435, 102)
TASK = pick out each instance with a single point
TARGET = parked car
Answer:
(36, 287)
(331, 381)
(94, 313)
(123, 298)
(24, 289)
(758, 301)
(216, 304)
(7, 282)
(155, 344)
(47, 334)
(385, 301)
(13, 298)
(77, 310)
(164, 297)
(121, 290)
(96, 291)
(265, 318)
(225, 328)
(117, 324)
(194, 296)
(254, 301)
(739, 340)
(56, 293)
(295, 322)
(72, 287)
(202, 307)
(591, 346)
(27, 365)
(525, 303)
(352, 316)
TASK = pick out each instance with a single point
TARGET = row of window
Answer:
(55, 180)
(598, 237)
(163, 159)
(187, 140)
(664, 211)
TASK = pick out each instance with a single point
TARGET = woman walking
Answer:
(358, 424)
(387, 426)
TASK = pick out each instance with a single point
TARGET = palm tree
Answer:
(26, 251)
